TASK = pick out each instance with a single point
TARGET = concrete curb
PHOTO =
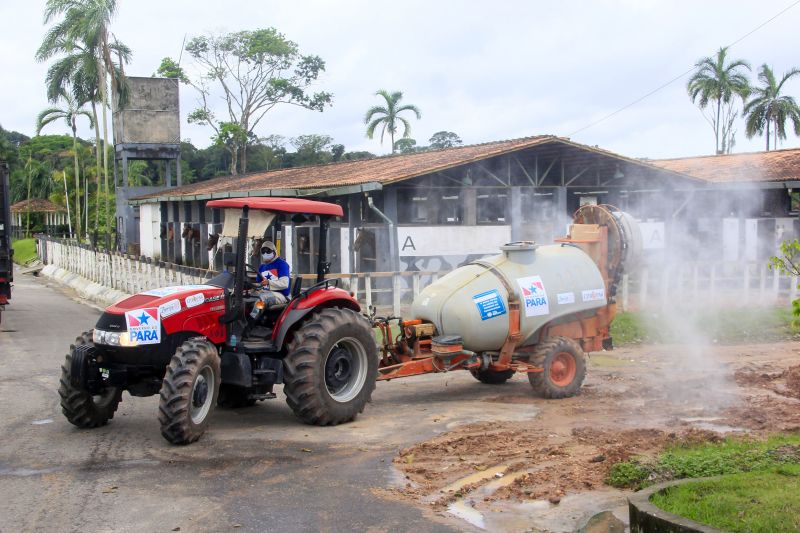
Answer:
(647, 518)
(86, 289)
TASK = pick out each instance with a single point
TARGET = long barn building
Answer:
(435, 210)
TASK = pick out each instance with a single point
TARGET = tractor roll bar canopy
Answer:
(281, 205)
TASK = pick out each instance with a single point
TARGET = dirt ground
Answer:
(635, 402)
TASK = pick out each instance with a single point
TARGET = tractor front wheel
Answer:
(331, 367)
(189, 391)
(81, 407)
(564, 365)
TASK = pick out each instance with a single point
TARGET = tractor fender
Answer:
(315, 301)
(236, 369)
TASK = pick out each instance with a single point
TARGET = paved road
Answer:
(248, 473)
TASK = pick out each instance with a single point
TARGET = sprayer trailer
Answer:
(532, 309)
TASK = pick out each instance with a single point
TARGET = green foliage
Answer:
(255, 70)
(717, 81)
(406, 145)
(754, 501)
(24, 251)
(627, 474)
(169, 68)
(730, 456)
(789, 263)
(723, 326)
(444, 139)
(770, 109)
(387, 116)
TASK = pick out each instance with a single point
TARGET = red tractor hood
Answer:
(168, 300)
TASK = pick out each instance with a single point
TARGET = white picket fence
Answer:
(683, 285)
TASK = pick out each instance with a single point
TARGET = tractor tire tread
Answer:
(77, 405)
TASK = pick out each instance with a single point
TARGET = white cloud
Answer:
(486, 71)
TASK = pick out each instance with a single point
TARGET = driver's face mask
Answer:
(267, 255)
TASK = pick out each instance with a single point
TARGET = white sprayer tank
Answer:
(551, 281)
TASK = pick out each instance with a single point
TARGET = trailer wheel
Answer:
(331, 367)
(492, 378)
(564, 366)
(189, 391)
(82, 408)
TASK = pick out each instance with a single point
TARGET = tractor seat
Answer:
(297, 286)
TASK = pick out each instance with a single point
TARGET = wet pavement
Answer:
(257, 469)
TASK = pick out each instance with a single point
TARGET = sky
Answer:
(485, 70)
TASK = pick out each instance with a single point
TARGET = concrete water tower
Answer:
(147, 129)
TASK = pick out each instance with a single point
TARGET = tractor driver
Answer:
(273, 274)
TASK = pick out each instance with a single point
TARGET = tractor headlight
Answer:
(113, 338)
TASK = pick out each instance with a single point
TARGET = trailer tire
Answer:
(331, 367)
(564, 366)
(492, 378)
(189, 391)
(81, 408)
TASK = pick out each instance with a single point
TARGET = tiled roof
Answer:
(387, 169)
(774, 166)
(36, 205)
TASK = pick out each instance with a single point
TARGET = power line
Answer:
(676, 78)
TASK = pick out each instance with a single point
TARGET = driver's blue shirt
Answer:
(277, 268)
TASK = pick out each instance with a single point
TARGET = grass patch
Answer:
(730, 456)
(24, 251)
(753, 501)
(723, 326)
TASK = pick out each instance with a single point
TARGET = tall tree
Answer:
(256, 71)
(86, 23)
(388, 116)
(770, 109)
(444, 139)
(716, 81)
(69, 114)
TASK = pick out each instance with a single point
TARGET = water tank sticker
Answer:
(144, 325)
(490, 304)
(534, 296)
(565, 298)
(594, 295)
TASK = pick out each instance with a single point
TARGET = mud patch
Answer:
(784, 382)
(532, 464)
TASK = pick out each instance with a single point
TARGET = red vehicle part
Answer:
(193, 308)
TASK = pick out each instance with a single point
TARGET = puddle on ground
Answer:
(710, 423)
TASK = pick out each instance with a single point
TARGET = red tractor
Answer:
(199, 346)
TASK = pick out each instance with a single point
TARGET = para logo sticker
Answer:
(534, 296)
(144, 325)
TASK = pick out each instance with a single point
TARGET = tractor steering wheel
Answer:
(251, 275)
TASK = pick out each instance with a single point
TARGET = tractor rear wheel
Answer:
(81, 407)
(491, 377)
(189, 391)
(331, 367)
(564, 366)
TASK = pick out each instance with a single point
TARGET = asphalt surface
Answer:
(256, 469)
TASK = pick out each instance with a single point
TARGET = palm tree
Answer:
(70, 115)
(769, 108)
(389, 115)
(719, 82)
(87, 22)
(78, 71)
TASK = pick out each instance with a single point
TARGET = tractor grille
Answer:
(111, 322)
